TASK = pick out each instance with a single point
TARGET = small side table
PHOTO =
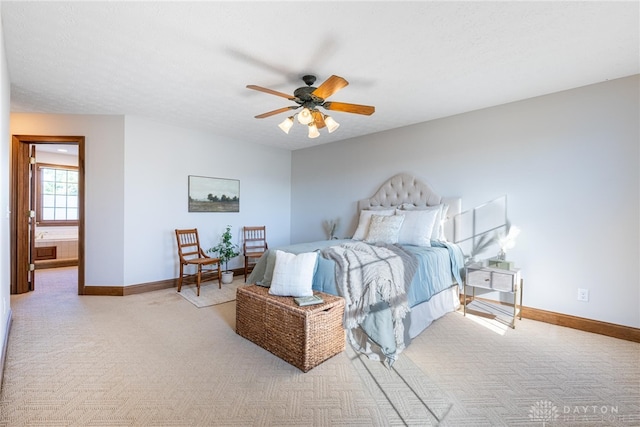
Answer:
(479, 275)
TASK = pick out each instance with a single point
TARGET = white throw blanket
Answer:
(368, 274)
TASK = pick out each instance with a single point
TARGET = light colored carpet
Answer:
(210, 294)
(403, 392)
(155, 360)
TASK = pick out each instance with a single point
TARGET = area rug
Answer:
(210, 294)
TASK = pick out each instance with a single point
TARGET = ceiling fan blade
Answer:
(271, 91)
(367, 110)
(318, 118)
(330, 86)
(274, 112)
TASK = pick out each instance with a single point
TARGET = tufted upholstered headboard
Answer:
(405, 188)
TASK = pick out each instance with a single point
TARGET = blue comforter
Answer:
(438, 267)
(438, 264)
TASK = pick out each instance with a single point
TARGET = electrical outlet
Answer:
(583, 295)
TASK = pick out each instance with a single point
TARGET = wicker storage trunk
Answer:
(303, 336)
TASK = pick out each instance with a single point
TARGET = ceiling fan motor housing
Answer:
(304, 95)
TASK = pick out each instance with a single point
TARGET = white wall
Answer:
(158, 160)
(5, 143)
(136, 175)
(104, 185)
(568, 163)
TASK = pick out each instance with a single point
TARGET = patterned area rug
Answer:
(210, 294)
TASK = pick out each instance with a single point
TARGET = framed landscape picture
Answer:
(213, 194)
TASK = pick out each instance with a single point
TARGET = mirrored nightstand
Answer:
(480, 275)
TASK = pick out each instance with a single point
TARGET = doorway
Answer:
(23, 217)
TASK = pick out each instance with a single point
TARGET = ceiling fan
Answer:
(309, 98)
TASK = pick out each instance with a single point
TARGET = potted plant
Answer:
(225, 250)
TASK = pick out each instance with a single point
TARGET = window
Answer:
(57, 193)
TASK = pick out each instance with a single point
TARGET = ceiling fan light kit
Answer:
(313, 131)
(331, 124)
(310, 98)
(286, 124)
(305, 117)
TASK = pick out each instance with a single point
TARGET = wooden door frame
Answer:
(19, 206)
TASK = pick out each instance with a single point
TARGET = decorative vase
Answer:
(227, 277)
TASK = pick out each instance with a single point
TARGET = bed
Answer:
(398, 273)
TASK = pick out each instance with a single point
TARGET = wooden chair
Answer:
(190, 253)
(254, 246)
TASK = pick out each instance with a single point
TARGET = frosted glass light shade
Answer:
(286, 124)
(313, 131)
(331, 124)
(305, 117)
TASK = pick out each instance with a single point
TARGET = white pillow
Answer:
(438, 229)
(411, 207)
(417, 227)
(293, 274)
(384, 229)
(365, 219)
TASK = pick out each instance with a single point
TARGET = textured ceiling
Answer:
(188, 63)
